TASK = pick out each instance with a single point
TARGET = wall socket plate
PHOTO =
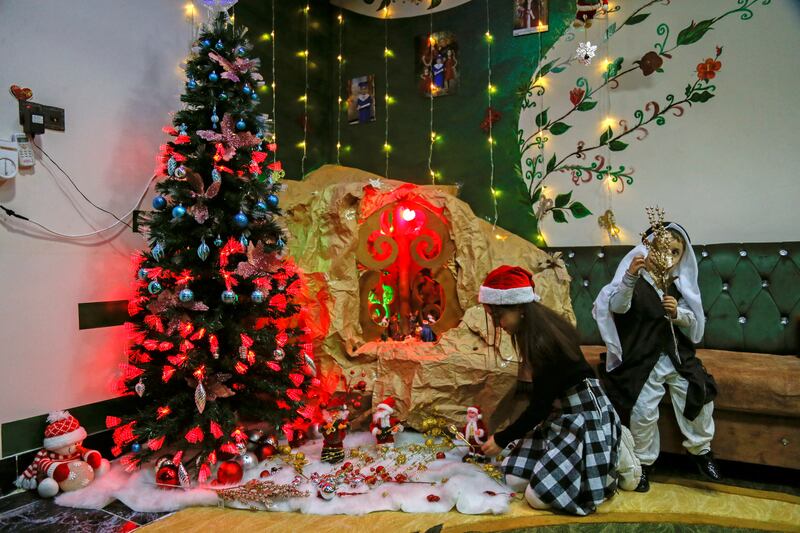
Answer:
(53, 118)
(35, 118)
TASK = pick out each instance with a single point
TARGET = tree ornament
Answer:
(154, 287)
(178, 211)
(191, 84)
(203, 250)
(139, 388)
(265, 451)
(180, 172)
(214, 123)
(240, 51)
(222, 96)
(136, 447)
(257, 296)
(254, 96)
(142, 273)
(241, 124)
(278, 354)
(240, 219)
(260, 207)
(167, 476)
(219, 46)
(200, 397)
(218, 241)
(229, 297)
(159, 202)
(229, 473)
(280, 243)
(585, 53)
(206, 43)
(249, 460)
(253, 436)
(215, 175)
(172, 164)
(272, 200)
(246, 89)
(213, 77)
(186, 295)
(244, 241)
(158, 251)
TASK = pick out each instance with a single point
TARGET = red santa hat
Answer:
(507, 285)
(387, 405)
(335, 404)
(475, 410)
(62, 429)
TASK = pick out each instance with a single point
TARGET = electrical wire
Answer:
(340, 60)
(386, 145)
(489, 90)
(305, 100)
(429, 88)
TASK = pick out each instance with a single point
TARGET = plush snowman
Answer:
(63, 463)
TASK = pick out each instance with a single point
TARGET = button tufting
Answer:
(704, 253)
(784, 320)
(586, 283)
(571, 255)
(743, 253)
(764, 283)
(601, 255)
(742, 320)
(783, 252)
(725, 286)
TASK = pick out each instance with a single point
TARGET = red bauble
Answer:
(265, 451)
(167, 476)
(440, 455)
(265, 473)
(433, 498)
(229, 472)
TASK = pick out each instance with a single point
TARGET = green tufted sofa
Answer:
(751, 296)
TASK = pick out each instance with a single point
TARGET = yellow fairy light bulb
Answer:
(266, 36)
(433, 135)
(387, 147)
(340, 99)
(492, 89)
(339, 58)
(491, 140)
(388, 53)
(301, 144)
(390, 99)
(340, 18)
(541, 26)
(233, 18)
(306, 9)
(338, 146)
(489, 36)
(272, 34)
(262, 88)
(273, 84)
(608, 122)
(303, 98)
(189, 8)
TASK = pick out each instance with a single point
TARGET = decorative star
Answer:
(229, 138)
(585, 52)
(376, 183)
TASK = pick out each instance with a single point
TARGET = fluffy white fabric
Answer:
(465, 489)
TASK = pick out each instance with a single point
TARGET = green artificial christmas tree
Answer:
(215, 336)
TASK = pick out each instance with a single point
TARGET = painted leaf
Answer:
(703, 96)
(546, 68)
(611, 29)
(617, 146)
(694, 32)
(579, 210)
(541, 118)
(536, 195)
(559, 128)
(556, 70)
(636, 19)
(551, 164)
(606, 136)
(587, 105)
(559, 216)
(563, 199)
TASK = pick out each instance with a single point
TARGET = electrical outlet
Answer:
(53, 118)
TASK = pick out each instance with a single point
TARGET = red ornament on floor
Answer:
(433, 498)
(230, 472)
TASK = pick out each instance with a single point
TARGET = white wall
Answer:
(727, 169)
(114, 66)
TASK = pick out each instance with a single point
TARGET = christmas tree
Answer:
(215, 336)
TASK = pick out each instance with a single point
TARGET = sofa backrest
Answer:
(751, 292)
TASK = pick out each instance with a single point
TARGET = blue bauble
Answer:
(215, 119)
(218, 241)
(260, 206)
(240, 51)
(136, 447)
(280, 243)
(203, 250)
(142, 273)
(240, 219)
(246, 89)
(178, 211)
(254, 97)
(186, 295)
(206, 43)
(213, 77)
(222, 97)
(272, 200)
(257, 296)
(241, 124)
(191, 84)
(154, 287)
(229, 297)
(219, 45)
(159, 202)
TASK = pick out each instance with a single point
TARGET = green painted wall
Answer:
(463, 154)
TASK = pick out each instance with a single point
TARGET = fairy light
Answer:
(274, 85)
(387, 53)
(489, 92)
(340, 62)
(613, 229)
(431, 42)
(304, 144)
(540, 239)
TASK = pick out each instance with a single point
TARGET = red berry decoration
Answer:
(433, 498)
(230, 472)
(440, 455)
(401, 478)
(361, 385)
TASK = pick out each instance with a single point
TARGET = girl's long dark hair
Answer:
(545, 339)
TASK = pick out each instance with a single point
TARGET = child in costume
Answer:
(364, 103)
(569, 462)
(631, 314)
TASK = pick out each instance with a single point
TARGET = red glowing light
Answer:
(216, 430)
(163, 411)
(199, 374)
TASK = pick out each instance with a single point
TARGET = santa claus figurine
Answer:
(63, 463)
(475, 433)
(334, 430)
(384, 426)
(587, 10)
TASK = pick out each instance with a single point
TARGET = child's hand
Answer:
(670, 306)
(636, 265)
(491, 448)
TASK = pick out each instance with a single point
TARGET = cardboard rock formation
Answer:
(322, 215)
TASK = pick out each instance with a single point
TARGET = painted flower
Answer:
(576, 95)
(708, 69)
(650, 62)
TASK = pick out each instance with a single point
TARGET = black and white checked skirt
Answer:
(571, 457)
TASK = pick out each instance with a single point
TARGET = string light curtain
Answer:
(387, 53)
(489, 91)
(305, 53)
(340, 64)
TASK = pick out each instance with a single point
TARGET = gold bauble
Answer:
(80, 475)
